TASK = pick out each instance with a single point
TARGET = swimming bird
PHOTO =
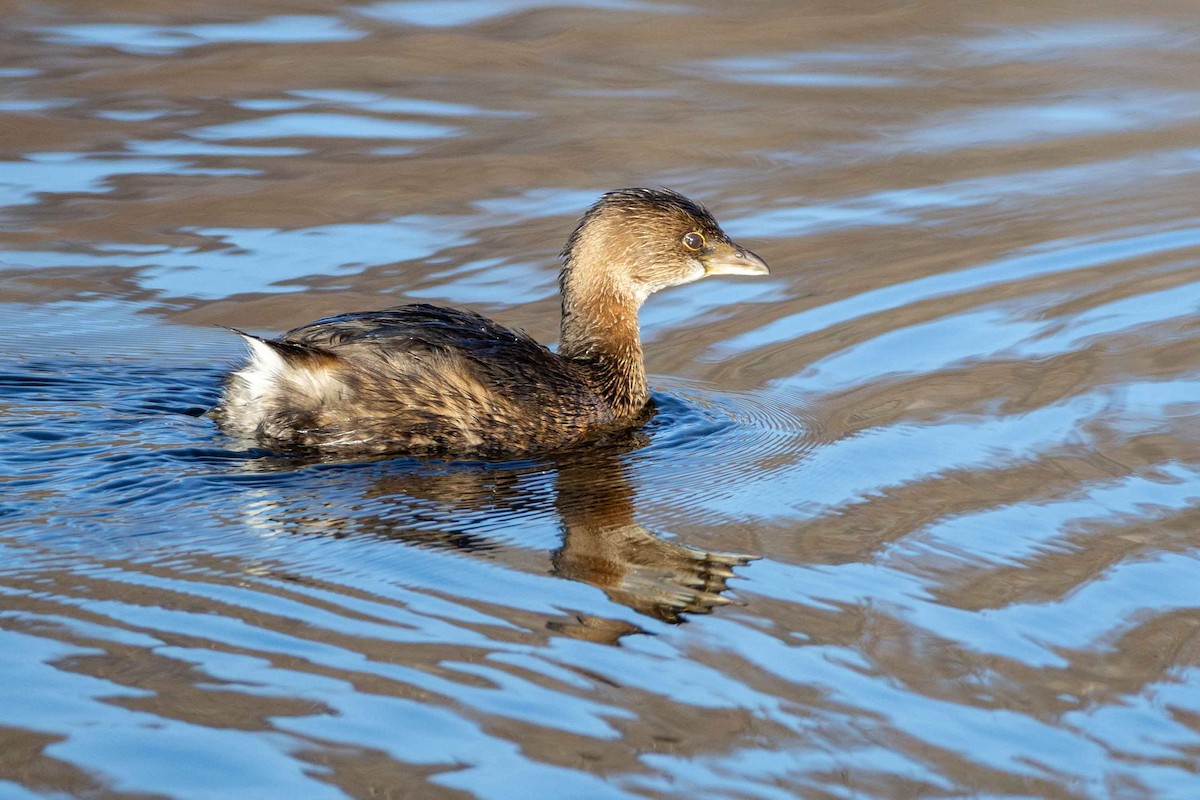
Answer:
(431, 381)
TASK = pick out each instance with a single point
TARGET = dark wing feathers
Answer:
(295, 355)
(425, 324)
(507, 359)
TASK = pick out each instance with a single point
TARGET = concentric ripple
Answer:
(731, 438)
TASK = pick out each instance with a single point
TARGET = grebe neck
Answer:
(600, 330)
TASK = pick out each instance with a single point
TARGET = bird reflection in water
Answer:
(602, 543)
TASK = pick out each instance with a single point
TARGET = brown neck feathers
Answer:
(600, 330)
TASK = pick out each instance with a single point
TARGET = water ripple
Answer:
(915, 516)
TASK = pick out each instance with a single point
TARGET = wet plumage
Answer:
(427, 380)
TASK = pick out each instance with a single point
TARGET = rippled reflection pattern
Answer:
(915, 516)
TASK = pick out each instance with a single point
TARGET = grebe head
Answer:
(634, 242)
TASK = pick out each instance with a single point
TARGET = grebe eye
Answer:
(693, 240)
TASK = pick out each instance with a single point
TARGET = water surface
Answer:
(917, 514)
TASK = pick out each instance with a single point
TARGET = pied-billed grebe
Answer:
(425, 380)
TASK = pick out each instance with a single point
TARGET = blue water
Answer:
(916, 515)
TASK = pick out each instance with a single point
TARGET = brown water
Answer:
(918, 514)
